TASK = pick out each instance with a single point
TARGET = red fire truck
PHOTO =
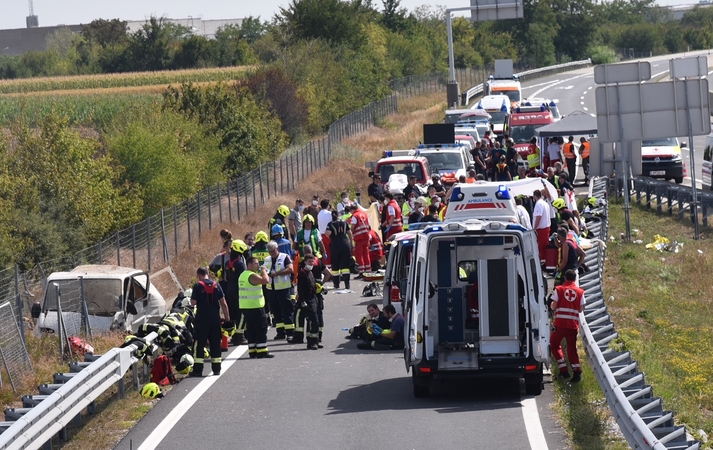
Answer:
(523, 123)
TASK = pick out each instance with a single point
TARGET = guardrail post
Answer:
(175, 229)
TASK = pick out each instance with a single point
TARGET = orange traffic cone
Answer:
(685, 170)
(224, 343)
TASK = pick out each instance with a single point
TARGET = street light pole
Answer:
(503, 9)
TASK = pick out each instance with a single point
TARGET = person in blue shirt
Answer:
(391, 339)
(278, 233)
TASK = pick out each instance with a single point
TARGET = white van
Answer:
(475, 305)
(116, 298)
(661, 158)
(499, 108)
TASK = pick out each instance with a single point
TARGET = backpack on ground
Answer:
(162, 371)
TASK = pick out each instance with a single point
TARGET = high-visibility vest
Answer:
(585, 152)
(259, 251)
(569, 298)
(360, 228)
(301, 242)
(280, 282)
(250, 295)
(533, 159)
(569, 150)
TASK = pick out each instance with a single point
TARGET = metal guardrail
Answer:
(527, 75)
(36, 427)
(672, 195)
(640, 416)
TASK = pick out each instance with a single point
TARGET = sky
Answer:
(71, 12)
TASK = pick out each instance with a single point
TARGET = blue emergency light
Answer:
(515, 226)
(432, 229)
(504, 108)
(480, 105)
(457, 195)
(389, 153)
(553, 104)
(542, 107)
(503, 193)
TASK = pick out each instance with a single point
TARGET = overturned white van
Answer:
(112, 297)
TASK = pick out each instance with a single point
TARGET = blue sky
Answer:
(55, 12)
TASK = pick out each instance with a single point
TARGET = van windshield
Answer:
(103, 296)
(497, 116)
(408, 169)
(665, 142)
(444, 161)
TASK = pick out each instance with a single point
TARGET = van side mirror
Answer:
(684, 145)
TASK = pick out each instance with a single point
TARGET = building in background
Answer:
(22, 40)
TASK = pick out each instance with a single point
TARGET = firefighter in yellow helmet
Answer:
(235, 266)
(280, 218)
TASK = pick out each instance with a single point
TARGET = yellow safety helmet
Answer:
(559, 203)
(150, 390)
(308, 218)
(592, 201)
(239, 246)
(185, 364)
(261, 236)
(283, 210)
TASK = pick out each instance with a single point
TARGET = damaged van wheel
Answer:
(421, 391)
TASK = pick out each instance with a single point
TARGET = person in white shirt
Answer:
(323, 219)
(553, 151)
(541, 222)
(345, 203)
(524, 215)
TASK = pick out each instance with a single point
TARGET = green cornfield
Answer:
(118, 80)
(91, 110)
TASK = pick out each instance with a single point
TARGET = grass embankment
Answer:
(661, 308)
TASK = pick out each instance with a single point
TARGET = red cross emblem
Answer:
(570, 295)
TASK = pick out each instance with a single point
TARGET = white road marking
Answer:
(586, 109)
(590, 88)
(541, 84)
(653, 77)
(535, 434)
(585, 92)
(175, 415)
(536, 93)
(566, 88)
(593, 115)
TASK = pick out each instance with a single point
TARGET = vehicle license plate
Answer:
(657, 172)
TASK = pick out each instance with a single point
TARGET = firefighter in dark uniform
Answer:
(259, 250)
(280, 218)
(307, 301)
(321, 274)
(340, 250)
(252, 304)
(235, 266)
(208, 298)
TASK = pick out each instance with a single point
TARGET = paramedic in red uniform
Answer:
(393, 223)
(567, 302)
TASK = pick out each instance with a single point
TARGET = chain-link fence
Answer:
(13, 352)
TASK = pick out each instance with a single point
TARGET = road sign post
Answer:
(633, 111)
(695, 67)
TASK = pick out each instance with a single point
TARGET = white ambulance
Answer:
(475, 297)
